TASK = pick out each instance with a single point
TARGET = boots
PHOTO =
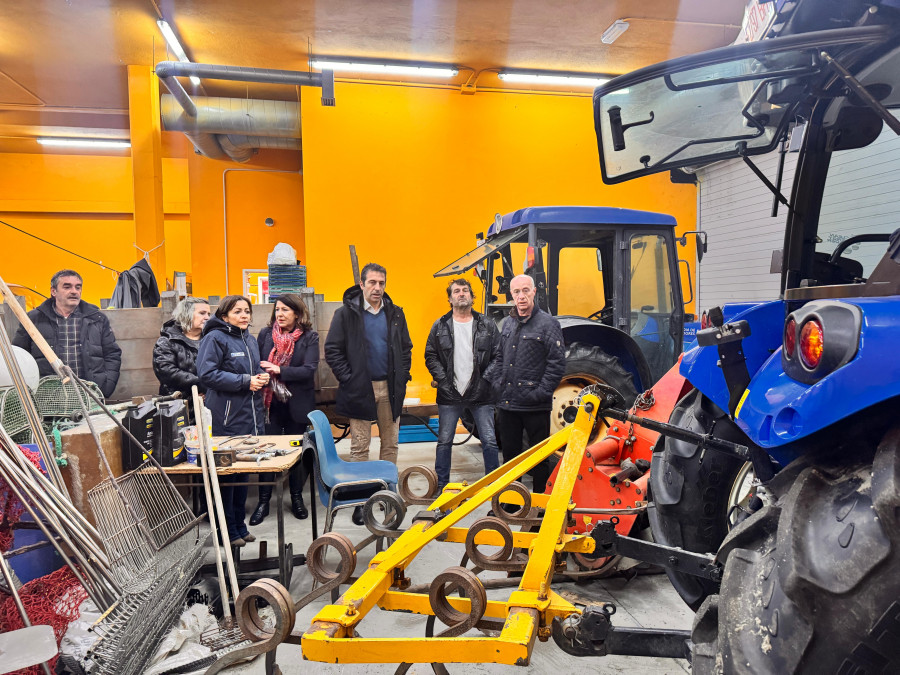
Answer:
(262, 508)
(298, 508)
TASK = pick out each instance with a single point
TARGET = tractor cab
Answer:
(602, 271)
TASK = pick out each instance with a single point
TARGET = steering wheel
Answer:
(604, 315)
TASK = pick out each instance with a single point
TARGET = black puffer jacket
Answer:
(346, 351)
(101, 357)
(532, 361)
(175, 361)
(439, 360)
(227, 358)
(300, 375)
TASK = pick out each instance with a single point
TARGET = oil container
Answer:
(172, 417)
(141, 421)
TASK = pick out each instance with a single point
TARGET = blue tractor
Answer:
(609, 275)
(791, 425)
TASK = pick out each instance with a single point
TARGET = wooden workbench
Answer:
(281, 466)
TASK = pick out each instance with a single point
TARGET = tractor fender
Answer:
(777, 410)
(700, 365)
(613, 341)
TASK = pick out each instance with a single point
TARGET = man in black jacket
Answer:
(370, 353)
(530, 367)
(78, 333)
(460, 348)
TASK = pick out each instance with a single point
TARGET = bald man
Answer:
(530, 366)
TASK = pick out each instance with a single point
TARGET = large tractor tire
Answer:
(694, 493)
(812, 580)
(588, 364)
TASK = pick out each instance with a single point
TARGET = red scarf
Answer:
(282, 351)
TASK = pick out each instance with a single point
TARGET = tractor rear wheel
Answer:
(693, 492)
(812, 580)
(588, 364)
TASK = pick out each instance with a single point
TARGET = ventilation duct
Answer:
(219, 127)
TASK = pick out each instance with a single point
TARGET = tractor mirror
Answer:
(777, 259)
(701, 242)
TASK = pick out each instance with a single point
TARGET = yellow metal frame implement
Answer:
(529, 610)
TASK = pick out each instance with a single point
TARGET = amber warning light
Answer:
(812, 343)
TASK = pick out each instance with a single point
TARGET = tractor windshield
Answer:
(721, 104)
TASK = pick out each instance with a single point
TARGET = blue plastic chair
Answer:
(346, 484)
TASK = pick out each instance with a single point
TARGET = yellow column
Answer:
(146, 164)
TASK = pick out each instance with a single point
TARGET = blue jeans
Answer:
(448, 416)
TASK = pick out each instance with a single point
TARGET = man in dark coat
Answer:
(526, 373)
(78, 333)
(370, 352)
(460, 348)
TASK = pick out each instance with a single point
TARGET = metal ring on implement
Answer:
(246, 610)
(499, 561)
(315, 558)
(265, 638)
(408, 496)
(446, 582)
(394, 513)
(521, 515)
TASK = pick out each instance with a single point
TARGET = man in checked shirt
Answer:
(77, 331)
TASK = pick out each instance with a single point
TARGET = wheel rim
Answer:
(566, 394)
(742, 491)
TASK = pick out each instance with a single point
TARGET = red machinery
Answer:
(615, 469)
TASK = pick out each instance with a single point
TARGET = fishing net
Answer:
(55, 399)
(11, 509)
(51, 600)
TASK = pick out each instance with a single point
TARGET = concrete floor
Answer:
(647, 601)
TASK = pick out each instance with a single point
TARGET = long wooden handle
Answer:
(210, 505)
(11, 302)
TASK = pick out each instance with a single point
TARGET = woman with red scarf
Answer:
(290, 351)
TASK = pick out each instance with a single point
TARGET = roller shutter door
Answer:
(735, 211)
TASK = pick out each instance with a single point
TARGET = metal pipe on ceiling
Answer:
(219, 115)
(206, 121)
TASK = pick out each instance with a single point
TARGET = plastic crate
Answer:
(419, 433)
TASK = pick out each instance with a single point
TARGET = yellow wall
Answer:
(82, 203)
(409, 175)
(268, 186)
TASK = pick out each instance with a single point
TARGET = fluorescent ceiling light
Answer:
(613, 33)
(84, 142)
(175, 46)
(385, 68)
(548, 78)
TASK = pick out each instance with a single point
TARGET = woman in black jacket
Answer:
(228, 364)
(175, 352)
(290, 352)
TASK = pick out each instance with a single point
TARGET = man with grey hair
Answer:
(525, 374)
(78, 333)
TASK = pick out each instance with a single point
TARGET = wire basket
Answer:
(157, 536)
(55, 399)
(131, 632)
(12, 413)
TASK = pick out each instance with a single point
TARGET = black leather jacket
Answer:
(531, 363)
(439, 360)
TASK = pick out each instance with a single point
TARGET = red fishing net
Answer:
(52, 600)
(11, 509)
